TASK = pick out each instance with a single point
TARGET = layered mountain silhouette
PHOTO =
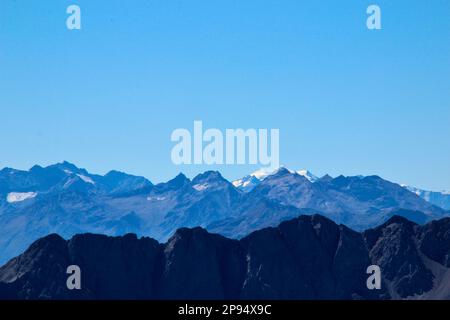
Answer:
(309, 257)
(67, 200)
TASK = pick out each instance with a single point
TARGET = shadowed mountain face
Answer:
(309, 257)
(67, 200)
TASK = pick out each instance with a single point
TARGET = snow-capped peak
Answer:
(263, 173)
(308, 175)
(249, 182)
(20, 196)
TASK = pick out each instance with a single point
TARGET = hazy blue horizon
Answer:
(346, 100)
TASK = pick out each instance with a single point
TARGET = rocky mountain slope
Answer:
(309, 257)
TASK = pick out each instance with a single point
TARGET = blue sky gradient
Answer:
(346, 100)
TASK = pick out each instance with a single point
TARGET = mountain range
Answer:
(67, 200)
(309, 257)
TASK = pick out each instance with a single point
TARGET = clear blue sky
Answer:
(346, 100)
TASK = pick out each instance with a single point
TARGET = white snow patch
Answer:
(238, 183)
(246, 183)
(424, 193)
(20, 196)
(156, 198)
(308, 175)
(201, 187)
(263, 173)
(86, 179)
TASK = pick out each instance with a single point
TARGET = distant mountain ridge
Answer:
(249, 182)
(65, 175)
(67, 200)
(309, 257)
(440, 199)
